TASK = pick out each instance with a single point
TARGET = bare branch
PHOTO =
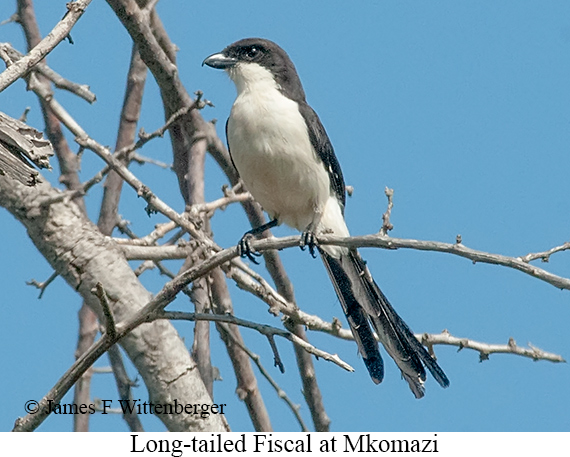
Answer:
(545, 256)
(386, 224)
(83, 256)
(220, 203)
(99, 291)
(280, 392)
(485, 349)
(161, 300)
(156, 253)
(112, 159)
(13, 18)
(255, 284)
(159, 133)
(458, 249)
(101, 370)
(13, 55)
(160, 231)
(154, 202)
(378, 241)
(276, 357)
(42, 285)
(264, 329)
(124, 385)
(141, 160)
(261, 289)
(75, 10)
(247, 387)
(88, 329)
(130, 114)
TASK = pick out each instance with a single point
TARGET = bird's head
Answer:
(256, 60)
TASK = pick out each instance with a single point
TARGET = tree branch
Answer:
(485, 349)
(83, 257)
(295, 409)
(100, 293)
(88, 329)
(81, 90)
(264, 329)
(75, 10)
(379, 241)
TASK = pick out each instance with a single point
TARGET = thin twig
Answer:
(76, 129)
(264, 329)
(386, 224)
(159, 133)
(42, 286)
(276, 357)
(13, 18)
(81, 90)
(107, 312)
(75, 10)
(124, 385)
(160, 231)
(88, 329)
(141, 160)
(220, 203)
(295, 408)
(545, 256)
(485, 349)
(102, 370)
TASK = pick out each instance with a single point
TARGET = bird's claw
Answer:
(308, 239)
(244, 249)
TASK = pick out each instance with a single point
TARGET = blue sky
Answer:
(462, 108)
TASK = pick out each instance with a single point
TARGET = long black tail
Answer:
(363, 302)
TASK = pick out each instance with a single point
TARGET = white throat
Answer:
(252, 76)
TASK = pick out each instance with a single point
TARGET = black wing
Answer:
(323, 146)
(229, 150)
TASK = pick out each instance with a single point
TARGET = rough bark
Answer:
(83, 257)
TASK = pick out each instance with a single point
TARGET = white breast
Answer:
(270, 147)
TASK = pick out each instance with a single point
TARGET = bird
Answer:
(286, 160)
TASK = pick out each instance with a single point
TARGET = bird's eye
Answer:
(252, 52)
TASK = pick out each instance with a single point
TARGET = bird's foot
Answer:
(244, 248)
(308, 239)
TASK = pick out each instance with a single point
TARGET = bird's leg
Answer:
(244, 249)
(309, 239)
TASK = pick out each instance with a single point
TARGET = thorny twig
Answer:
(485, 349)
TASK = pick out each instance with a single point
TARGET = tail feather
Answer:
(357, 318)
(363, 301)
